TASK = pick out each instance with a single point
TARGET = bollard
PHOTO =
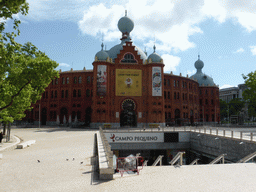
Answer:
(210, 131)
(251, 136)
(204, 130)
(232, 134)
(217, 132)
(224, 133)
(241, 135)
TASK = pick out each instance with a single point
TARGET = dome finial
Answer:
(102, 44)
(198, 56)
(154, 47)
(126, 13)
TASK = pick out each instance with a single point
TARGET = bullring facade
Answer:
(127, 88)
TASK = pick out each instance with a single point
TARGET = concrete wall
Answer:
(215, 146)
(149, 146)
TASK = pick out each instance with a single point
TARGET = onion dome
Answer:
(102, 55)
(125, 24)
(202, 78)
(155, 58)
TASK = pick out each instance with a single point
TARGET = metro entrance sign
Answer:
(135, 137)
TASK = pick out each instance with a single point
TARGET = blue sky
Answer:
(224, 32)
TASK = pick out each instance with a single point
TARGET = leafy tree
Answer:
(237, 105)
(251, 111)
(250, 94)
(223, 109)
(25, 71)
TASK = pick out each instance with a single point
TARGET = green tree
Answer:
(25, 71)
(223, 110)
(237, 105)
(249, 94)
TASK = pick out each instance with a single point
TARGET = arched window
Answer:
(62, 94)
(56, 81)
(128, 58)
(74, 93)
(80, 80)
(75, 80)
(79, 92)
(89, 79)
(66, 93)
(63, 80)
(67, 80)
(88, 92)
(79, 115)
(56, 94)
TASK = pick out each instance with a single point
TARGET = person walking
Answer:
(1, 137)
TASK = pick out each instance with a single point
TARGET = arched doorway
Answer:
(128, 115)
(191, 117)
(177, 117)
(44, 116)
(63, 115)
(88, 114)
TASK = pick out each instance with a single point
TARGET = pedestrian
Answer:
(1, 137)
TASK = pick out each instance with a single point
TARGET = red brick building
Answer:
(127, 88)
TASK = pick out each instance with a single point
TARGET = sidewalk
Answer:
(10, 144)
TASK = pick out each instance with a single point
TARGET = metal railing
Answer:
(159, 159)
(217, 159)
(107, 148)
(179, 156)
(247, 158)
(194, 162)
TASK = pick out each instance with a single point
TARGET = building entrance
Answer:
(128, 115)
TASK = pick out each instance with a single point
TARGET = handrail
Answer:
(107, 148)
(176, 158)
(247, 158)
(145, 163)
(159, 159)
(218, 159)
(194, 162)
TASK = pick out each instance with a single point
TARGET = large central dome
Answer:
(125, 25)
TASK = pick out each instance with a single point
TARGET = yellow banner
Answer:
(128, 82)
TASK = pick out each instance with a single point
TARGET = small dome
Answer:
(201, 78)
(102, 55)
(125, 24)
(155, 58)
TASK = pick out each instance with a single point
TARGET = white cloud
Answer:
(191, 72)
(241, 50)
(226, 86)
(172, 23)
(64, 65)
(171, 62)
(253, 50)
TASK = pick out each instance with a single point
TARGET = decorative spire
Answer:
(102, 45)
(198, 56)
(126, 13)
(145, 51)
(154, 48)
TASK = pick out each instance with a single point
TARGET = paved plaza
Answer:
(21, 171)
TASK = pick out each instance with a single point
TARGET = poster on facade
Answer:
(156, 81)
(128, 82)
(101, 80)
